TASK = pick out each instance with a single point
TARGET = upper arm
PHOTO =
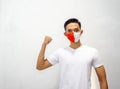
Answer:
(102, 77)
(50, 60)
(100, 71)
(45, 65)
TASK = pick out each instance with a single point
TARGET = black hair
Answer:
(72, 20)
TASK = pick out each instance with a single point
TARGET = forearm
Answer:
(40, 60)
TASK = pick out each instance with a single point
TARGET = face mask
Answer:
(73, 37)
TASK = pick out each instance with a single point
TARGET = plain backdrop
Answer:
(24, 24)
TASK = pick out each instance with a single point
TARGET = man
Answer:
(75, 61)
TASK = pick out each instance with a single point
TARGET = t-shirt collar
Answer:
(73, 50)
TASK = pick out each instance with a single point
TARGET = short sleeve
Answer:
(96, 62)
(54, 57)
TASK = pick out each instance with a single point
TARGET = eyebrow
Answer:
(73, 29)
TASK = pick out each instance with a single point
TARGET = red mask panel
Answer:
(70, 36)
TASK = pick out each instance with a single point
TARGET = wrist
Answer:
(44, 43)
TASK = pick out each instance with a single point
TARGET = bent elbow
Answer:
(39, 68)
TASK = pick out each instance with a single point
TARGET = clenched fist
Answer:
(47, 39)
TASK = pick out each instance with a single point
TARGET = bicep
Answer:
(46, 64)
(100, 71)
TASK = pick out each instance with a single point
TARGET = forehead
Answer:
(72, 26)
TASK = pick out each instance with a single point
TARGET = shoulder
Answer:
(91, 49)
(59, 50)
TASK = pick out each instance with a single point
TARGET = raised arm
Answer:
(43, 63)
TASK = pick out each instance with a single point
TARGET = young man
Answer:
(75, 61)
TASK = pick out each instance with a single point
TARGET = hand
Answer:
(47, 39)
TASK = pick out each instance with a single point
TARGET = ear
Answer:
(65, 33)
(81, 31)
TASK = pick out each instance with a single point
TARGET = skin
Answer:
(43, 63)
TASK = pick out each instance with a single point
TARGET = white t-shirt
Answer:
(75, 66)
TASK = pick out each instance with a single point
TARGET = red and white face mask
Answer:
(73, 36)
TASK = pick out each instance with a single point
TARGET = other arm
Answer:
(100, 71)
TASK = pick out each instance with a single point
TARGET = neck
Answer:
(75, 45)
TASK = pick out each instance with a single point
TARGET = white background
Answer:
(24, 23)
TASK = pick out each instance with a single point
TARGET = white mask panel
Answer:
(77, 36)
